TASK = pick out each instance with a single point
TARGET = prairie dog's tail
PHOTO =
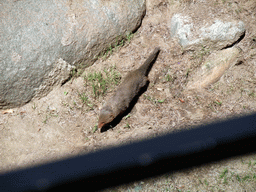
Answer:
(145, 68)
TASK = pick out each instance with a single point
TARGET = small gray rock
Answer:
(216, 34)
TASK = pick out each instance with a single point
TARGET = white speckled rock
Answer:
(215, 34)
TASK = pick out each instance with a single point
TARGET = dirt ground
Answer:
(62, 124)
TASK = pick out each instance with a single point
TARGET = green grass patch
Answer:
(238, 178)
(223, 173)
(153, 100)
(85, 100)
(120, 42)
(246, 178)
(101, 82)
(95, 128)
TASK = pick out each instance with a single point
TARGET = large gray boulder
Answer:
(41, 41)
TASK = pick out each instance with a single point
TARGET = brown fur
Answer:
(126, 91)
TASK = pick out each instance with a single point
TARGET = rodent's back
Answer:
(146, 66)
(131, 85)
(127, 90)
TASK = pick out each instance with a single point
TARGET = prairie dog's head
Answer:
(106, 116)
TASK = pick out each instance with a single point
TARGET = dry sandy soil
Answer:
(62, 124)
